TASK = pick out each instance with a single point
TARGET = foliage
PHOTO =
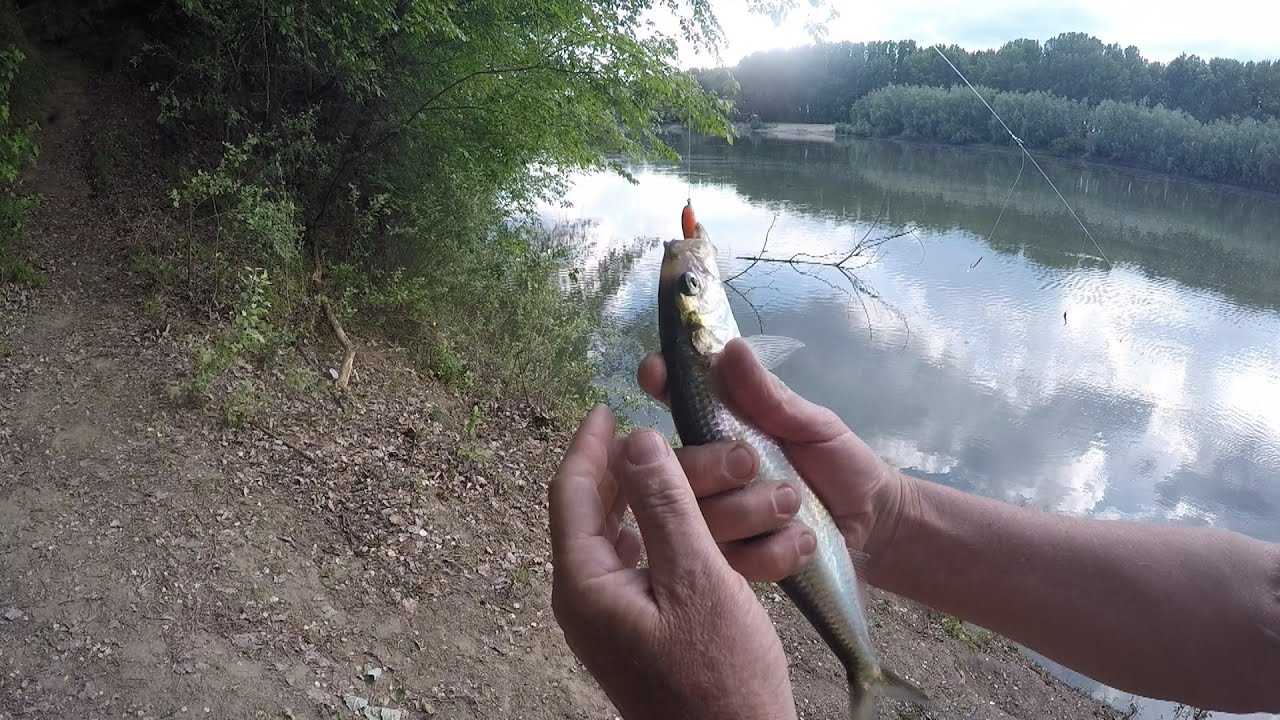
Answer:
(498, 309)
(819, 83)
(242, 406)
(257, 217)
(255, 333)
(1244, 152)
(923, 113)
(17, 151)
(393, 151)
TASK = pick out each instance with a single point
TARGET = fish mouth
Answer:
(696, 254)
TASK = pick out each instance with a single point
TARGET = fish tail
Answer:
(862, 704)
(862, 697)
(893, 685)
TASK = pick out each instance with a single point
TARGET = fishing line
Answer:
(688, 160)
(1008, 197)
(1027, 152)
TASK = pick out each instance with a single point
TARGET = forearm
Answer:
(1185, 614)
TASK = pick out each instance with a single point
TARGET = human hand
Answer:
(684, 637)
(865, 496)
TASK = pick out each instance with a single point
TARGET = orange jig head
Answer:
(688, 223)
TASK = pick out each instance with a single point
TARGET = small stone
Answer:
(13, 614)
(319, 697)
(354, 703)
(372, 673)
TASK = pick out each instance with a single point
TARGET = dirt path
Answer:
(156, 564)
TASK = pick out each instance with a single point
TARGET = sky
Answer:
(1162, 29)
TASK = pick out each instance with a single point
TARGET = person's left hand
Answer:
(682, 638)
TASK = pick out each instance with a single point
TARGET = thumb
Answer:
(676, 537)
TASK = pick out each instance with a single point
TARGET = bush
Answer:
(393, 151)
(1040, 120)
(17, 151)
(948, 115)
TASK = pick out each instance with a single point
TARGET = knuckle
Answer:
(665, 497)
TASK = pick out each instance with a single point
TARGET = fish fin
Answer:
(772, 350)
(897, 687)
(862, 704)
(863, 696)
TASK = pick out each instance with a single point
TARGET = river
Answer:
(988, 345)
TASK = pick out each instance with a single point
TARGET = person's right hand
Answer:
(753, 522)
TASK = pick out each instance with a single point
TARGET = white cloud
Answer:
(1242, 29)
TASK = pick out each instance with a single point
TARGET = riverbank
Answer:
(315, 549)
(826, 133)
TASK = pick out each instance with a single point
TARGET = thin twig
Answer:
(763, 247)
(795, 259)
(747, 300)
(286, 442)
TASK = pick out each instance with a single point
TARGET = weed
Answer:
(253, 334)
(241, 406)
(301, 380)
(21, 273)
(154, 308)
(975, 638)
(474, 420)
(447, 366)
(475, 452)
(17, 151)
(157, 269)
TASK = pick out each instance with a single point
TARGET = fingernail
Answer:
(646, 448)
(740, 463)
(806, 543)
(786, 501)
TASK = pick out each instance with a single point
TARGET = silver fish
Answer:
(695, 323)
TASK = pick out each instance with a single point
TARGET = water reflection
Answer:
(1019, 367)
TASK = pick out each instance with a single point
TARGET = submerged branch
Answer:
(857, 252)
(865, 249)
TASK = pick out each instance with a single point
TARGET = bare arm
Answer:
(1190, 614)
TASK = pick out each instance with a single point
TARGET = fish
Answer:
(695, 323)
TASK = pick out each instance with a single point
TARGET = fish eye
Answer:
(689, 284)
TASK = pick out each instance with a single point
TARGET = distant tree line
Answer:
(819, 83)
(1071, 95)
(1241, 151)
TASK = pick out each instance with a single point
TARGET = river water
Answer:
(988, 345)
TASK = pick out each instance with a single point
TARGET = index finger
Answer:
(580, 546)
(652, 376)
(768, 404)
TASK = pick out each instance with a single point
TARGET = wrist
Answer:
(895, 508)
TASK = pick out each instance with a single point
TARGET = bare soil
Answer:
(157, 563)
